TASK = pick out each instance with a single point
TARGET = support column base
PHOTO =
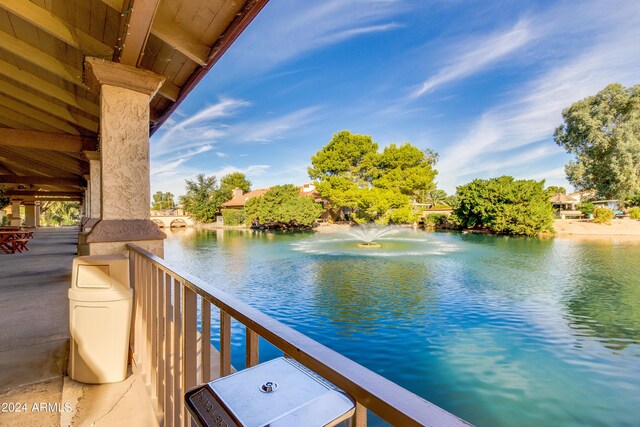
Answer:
(16, 222)
(111, 237)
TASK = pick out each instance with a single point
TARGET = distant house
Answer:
(583, 196)
(239, 199)
(565, 206)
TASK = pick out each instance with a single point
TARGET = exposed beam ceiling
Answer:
(36, 83)
(58, 28)
(46, 141)
(44, 180)
(40, 59)
(47, 106)
(38, 115)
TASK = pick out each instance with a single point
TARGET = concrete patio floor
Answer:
(34, 345)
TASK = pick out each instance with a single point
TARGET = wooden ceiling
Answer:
(48, 116)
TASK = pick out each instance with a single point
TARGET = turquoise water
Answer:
(499, 331)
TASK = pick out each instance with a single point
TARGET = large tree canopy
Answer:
(504, 205)
(350, 172)
(603, 131)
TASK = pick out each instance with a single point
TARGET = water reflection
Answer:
(544, 332)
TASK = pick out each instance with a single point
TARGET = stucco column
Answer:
(15, 213)
(92, 198)
(29, 214)
(38, 212)
(125, 93)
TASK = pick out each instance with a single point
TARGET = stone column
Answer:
(29, 213)
(93, 185)
(125, 93)
(15, 213)
(38, 214)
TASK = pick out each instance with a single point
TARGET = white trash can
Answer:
(100, 300)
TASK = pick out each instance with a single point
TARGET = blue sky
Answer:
(483, 83)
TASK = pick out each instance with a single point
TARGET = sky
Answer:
(483, 83)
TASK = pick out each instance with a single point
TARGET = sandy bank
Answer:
(618, 227)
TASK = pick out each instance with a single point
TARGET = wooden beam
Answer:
(169, 91)
(57, 27)
(47, 106)
(43, 86)
(44, 180)
(165, 28)
(59, 199)
(46, 166)
(19, 193)
(46, 141)
(135, 30)
(15, 120)
(115, 4)
(40, 59)
(37, 115)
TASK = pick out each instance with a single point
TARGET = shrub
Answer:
(586, 208)
(435, 220)
(603, 215)
(403, 215)
(233, 216)
(634, 213)
(504, 205)
(282, 207)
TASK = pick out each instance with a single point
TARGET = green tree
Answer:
(505, 205)
(232, 181)
(163, 201)
(554, 189)
(282, 207)
(404, 169)
(4, 201)
(350, 172)
(202, 200)
(603, 215)
(60, 213)
(603, 132)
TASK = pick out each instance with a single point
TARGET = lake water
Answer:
(499, 331)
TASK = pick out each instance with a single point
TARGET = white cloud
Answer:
(268, 130)
(478, 54)
(534, 111)
(301, 30)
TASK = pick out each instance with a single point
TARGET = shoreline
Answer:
(619, 228)
(629, 228)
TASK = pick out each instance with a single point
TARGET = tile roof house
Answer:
(239, 199)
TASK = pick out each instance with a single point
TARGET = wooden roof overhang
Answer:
(49, 117)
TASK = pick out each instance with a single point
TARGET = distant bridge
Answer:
(172, 221)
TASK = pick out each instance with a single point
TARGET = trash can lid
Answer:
(115, 293)
(280, 392)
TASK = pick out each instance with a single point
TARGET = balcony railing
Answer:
(173, 356)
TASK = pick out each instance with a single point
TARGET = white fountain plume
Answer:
(369, 232)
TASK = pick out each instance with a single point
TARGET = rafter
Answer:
(17, 120)
(43, 86)
(39, 166)
(40, 59)
(43, 180)
(137, 22)
(58, 28)
(115, 4)
(166, 30)
(169, 91)
(37, 115)
(29, 193)
(47, 106)
(46, 141)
